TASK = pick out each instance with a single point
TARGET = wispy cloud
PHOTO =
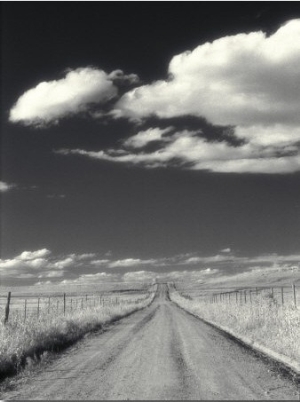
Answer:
(56, 196)
(143, 138)
(189, 150)
(130, 262)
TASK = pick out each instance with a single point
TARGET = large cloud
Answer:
(248, 81)
(244, 79)
(50, 101)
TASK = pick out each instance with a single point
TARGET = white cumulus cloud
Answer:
(50, 101)
(32, 255)
(235, 80)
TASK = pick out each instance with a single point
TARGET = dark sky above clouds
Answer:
(146, 137)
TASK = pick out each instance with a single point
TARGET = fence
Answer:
(27, 306)
(281, 295)
(278, 294)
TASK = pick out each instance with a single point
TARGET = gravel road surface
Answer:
(160, 352)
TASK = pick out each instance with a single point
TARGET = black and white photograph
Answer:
(150, 200)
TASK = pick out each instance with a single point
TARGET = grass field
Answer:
(265, 320)
(25, 340)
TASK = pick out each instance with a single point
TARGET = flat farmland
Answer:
(159, 352)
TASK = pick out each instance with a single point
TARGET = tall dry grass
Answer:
(264, 321)
(23, 341)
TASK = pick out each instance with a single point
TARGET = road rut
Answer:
(160, 352)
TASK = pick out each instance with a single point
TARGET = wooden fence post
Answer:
(49, 305)
(282, 299)
(7, 307)
(64, 304)
(294, 293)
(25, 310)
(38, 307)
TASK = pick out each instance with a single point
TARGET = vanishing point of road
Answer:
(160, 352)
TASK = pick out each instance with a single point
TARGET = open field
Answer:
(160, 352)
(39, 322)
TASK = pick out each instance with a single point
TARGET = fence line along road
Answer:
(25, 306)
(279, 294)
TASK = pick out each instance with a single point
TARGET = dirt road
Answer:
(161, 352)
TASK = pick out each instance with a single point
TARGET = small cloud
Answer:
(226, 250)
(103, 262)
(85, 256)
(139, 276)
(192, 260)
(51, 101)
(32, 255)
(43, 283)
(119, 78)
(4, 187)
(128, 262)
(143, 138)
(56, 196)
(51, 274)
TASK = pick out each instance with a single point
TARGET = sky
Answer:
(145, 140)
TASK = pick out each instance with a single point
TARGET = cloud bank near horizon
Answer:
(41, 266)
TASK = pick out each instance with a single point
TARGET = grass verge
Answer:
(24, 342)
(265, 323)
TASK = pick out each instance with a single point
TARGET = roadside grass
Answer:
(21, 342)
(264, 321)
